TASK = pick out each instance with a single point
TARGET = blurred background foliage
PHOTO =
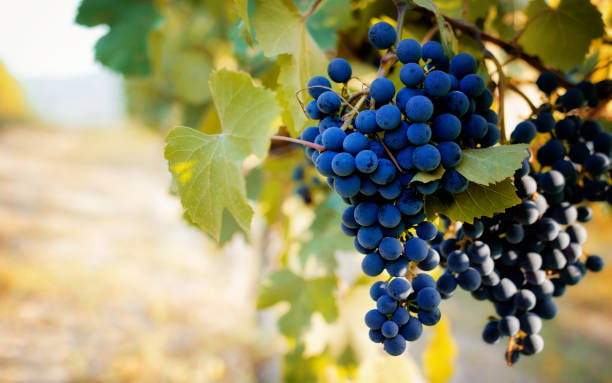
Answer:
(156, 300)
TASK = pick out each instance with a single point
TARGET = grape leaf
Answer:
(190, 77)
(440, 354)
(489, 165)
(124, 48)
(306, 297)
(574, 23)
(326, 234)
(330, 16)
(426, 177)
(476, 9)
(477, 201)
(242, 9)
(281, 32)
(207, 166)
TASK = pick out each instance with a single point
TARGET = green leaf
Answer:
(326, 234)
(477, 201)
(426, 177)
(330, 16)
(306, 296)
(489, 165)
(208, 167)
(124, 48)
(440, 354)
(476, 9)
(281, 32)
(190, 77)
(242, 9)
(572, 25)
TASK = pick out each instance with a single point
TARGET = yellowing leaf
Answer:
(440, 354)
(12, 102)
(574, 24)
(208, 166)
(489, 165)
(477, 201)
(281, 32)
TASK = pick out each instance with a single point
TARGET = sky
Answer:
(38, 38)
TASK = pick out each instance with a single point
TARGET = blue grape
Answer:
(491, 333)
(333, 139)
(409, 51)
(428, 298)
(390, 248)
(399, 267)
(324, 163)
(347, 186)
(469, 280)
(389, 329)
(365, 122)
(384, 173)
(431, 262)
(404, 158)
(411, 74)
(524, 133)
(389, 216)
(492, 137)
(366, 213)
(378, 289)
(397, 139)
(446, 127)
(348, 218)
(412, 330)
(401, 316)
(318, 85)
(456, 103)
(366, 161)
(329, 102)
(376, 336)
(313, 111)
(530, 323)
(433, 50)
(429, 318)
(382, 90)
(427, 188)
(390, 191)
(450, 154)
(416, 249)
(404, 95)
(343, 164)
(454, 182)
(386, 305)
(355, 143)
(310, 133)
(426, 157)
(447, 283)
(388, 117)
(458, 261)
(437, 83)
(375, 319)
(419, 109)
(399, 289)
(426, 231)
(463, 64)
(408, 204)
(472, 85)
(395, 346)
(547, 82)
(382, 35)
(418, 133)
(369, 237)
(475, 126)
(509, 325)
(339, 70)
(545, 122)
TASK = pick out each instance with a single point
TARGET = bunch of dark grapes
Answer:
(532, 252)
(306, 184)
(373, 149)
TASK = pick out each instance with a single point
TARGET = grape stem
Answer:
(430, 33)
(509, 351)
(391, 157)
(401, 13)
(318, 147)
(515, 89)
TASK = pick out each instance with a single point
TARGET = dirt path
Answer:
(100, 279)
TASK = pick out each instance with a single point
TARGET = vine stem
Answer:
(401, 13)
(509, 351)
(318, 147)
(312, 10)
(391, 156)
(515, 89)
(513, 50)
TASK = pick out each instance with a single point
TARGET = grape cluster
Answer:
(529, 254)
(374, 148)
(306, 184)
